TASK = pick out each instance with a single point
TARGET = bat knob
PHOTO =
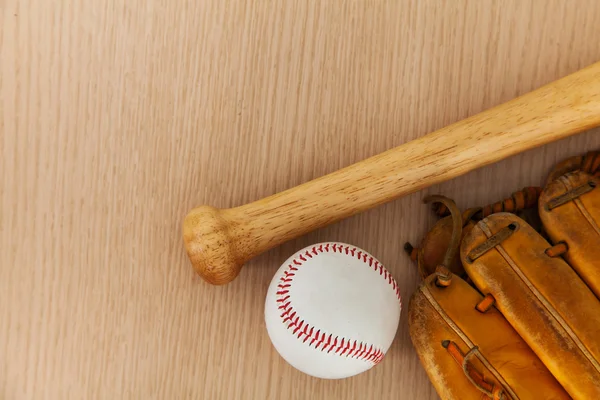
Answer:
(209, 245)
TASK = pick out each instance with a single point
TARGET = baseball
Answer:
(332, 310)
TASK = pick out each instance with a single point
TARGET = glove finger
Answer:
(542, 297)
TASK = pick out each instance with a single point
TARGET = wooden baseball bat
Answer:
(219, 241)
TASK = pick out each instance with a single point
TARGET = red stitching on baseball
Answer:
(317, 337)
(346, 347)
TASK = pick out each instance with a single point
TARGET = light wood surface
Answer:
(118, 117)
(220, 241)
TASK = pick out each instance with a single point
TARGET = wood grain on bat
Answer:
(218, 242)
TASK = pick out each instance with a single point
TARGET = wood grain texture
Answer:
(117, 117)
(220, 241)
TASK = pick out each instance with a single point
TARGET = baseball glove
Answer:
(509, 305)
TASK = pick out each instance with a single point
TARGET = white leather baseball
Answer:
(332, 310)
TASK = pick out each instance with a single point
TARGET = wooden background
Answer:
(119, 116)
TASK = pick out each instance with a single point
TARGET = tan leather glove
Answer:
(527, 325)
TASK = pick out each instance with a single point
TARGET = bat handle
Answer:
(220, 241)
(211, 246)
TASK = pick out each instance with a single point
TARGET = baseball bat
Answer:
(219, 241)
